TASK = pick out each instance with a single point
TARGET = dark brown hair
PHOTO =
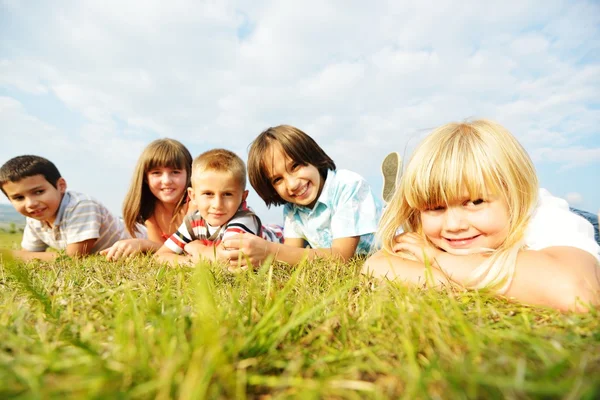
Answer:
(300, 147)
(22, 167)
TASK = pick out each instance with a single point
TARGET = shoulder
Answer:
(345, 177)
(553, 224)
(76, 200)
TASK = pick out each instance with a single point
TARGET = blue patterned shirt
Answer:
(345, 208)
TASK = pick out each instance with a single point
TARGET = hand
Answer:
(242, 250)
(197, 250)
(125, 249)
(417, 246)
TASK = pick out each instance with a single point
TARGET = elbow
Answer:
(579, 295)
(376, 266)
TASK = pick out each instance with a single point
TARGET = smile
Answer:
(461, 242)
(37, 212)
(303, 190)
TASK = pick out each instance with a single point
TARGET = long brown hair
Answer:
(140, 202)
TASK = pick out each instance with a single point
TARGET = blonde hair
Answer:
(139, 202)
(483, 158)
(220, 160)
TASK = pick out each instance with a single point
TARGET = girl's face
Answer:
(467, 225)
(166, 184)
(293, 182)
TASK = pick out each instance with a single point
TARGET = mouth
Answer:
(459, 243)
(37, 212)
(302, 191)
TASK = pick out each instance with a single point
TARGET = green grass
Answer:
(138, 329)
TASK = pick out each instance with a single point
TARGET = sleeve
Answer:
(177, 241)
(291, 228)
(247, 223)
(30, 241)
(356, 210)
(82, 222)
(553, 224)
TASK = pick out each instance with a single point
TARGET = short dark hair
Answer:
(22, 167)
(300, 147)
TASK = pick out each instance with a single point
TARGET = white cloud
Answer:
(568, 157)
(574, 198)
(362, 78)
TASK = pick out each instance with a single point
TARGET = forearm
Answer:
(173, 258)
(383, 265)
(25, 255)
(294, 255)
(555, 277)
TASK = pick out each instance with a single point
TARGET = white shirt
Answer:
(553, 224)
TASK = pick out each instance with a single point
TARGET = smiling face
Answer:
(35, 197)
(167, 184)
(217, 195)
(467, 226)
(293, 182)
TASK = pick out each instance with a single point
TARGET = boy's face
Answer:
(35, 197)
(217, 195)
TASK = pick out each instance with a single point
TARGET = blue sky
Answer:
(89, 83)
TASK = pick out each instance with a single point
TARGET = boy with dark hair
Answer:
(55, 217)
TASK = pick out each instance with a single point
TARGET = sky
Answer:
(88, 84)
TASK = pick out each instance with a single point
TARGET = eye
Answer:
(295, 166)
(155, 173)
(176, 172)
(476, 202)
(227, 194)
(434, 208)
(40, 191)
(275, 181)
(18, 198)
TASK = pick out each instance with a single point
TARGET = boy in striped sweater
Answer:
(219, 194)
(55, 217)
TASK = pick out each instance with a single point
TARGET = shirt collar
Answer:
(61, 209)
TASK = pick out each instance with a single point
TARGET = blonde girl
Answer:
(469, 206)
(156, 199)
(327, 212)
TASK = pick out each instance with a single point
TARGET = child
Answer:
(470, 207)
(156, 200)
(55, 217)
(219, 193)
(332, 211)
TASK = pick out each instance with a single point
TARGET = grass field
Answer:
(138, 329)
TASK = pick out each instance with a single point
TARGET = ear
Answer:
(192, 195)
(244, 195)
(61, 185)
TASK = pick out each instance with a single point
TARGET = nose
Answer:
(30, 202)
(455, 220)
(291, 182)
(165, 177)
(216, 202)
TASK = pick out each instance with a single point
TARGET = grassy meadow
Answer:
(138, 329)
